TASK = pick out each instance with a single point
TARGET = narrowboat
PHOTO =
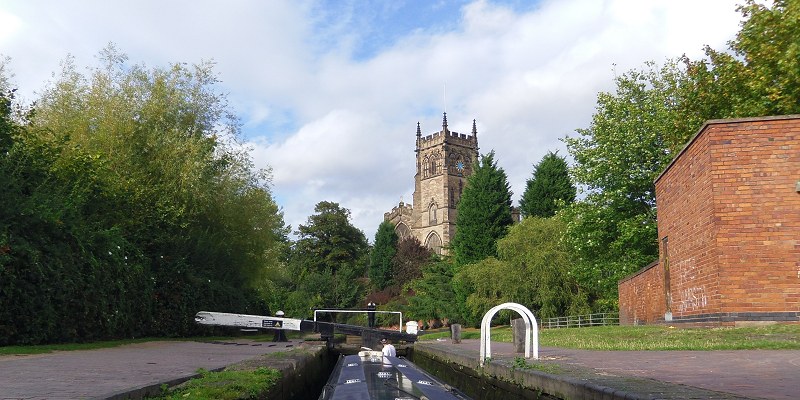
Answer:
(369, 375)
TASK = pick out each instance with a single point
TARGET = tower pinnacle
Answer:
(444, 123)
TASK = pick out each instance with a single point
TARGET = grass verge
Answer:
(772, 337)
(49, 348)
(243, 385)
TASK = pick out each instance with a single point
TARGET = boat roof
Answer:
(372, 376)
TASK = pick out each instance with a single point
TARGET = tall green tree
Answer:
(759, 74)
(631, 138)
(129, 207)
(384, 249)
(60, 258)
(549, 189)
(328, 260)
(484, 212)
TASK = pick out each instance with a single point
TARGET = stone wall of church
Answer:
(444, 160)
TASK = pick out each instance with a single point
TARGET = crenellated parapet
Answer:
(448, 137)
(399, 212)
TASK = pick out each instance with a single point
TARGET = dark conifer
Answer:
(549, 189)
(484, 212)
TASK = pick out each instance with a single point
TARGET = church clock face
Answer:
(460, 166)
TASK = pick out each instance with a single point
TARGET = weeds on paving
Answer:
(225, 385)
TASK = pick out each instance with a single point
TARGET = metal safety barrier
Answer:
(580, 321)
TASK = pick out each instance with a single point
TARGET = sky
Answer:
(329, 92)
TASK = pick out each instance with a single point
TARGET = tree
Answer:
(549, 189)
(128, 206)
(408, 261)
(329, 259)
(760, 75)
(434, 297)
(536, 246)
(484, 212)
(533, 268)
(632, 137)
(639, 129)
(384, 249)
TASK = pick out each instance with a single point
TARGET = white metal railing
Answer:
(580, 321)
(363, 312)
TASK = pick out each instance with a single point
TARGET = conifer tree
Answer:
(484, 212)
(383, 251)
(328, 259)
(549, 189)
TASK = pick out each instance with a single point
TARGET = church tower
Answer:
(444, 161)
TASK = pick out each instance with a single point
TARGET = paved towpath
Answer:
(769, 374)
(104, 373)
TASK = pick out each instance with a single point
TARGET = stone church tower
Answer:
(444, 161)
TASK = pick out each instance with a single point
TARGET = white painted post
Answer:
(531, 330)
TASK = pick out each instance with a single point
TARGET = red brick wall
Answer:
(686, 219)
(729, 208)
(756, 167)
(639, 300)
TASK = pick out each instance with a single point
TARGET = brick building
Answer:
(444, 161)
(729, 230)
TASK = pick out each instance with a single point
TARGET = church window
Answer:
(452, 198)
(434, 243)
(402, 231)
(433, 167)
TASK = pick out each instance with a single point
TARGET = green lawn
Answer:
(653, 337)
(594, 338)
(47, 348)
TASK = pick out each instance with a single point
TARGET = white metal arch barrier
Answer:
(531, 330)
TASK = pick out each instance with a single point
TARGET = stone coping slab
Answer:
(583, 374)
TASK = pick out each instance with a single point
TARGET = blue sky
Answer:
(329, 92)
(377, 25)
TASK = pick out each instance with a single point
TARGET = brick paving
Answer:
(113, 372)
(762, 374)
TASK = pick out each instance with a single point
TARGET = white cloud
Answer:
(342, 129)
(9, 25)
